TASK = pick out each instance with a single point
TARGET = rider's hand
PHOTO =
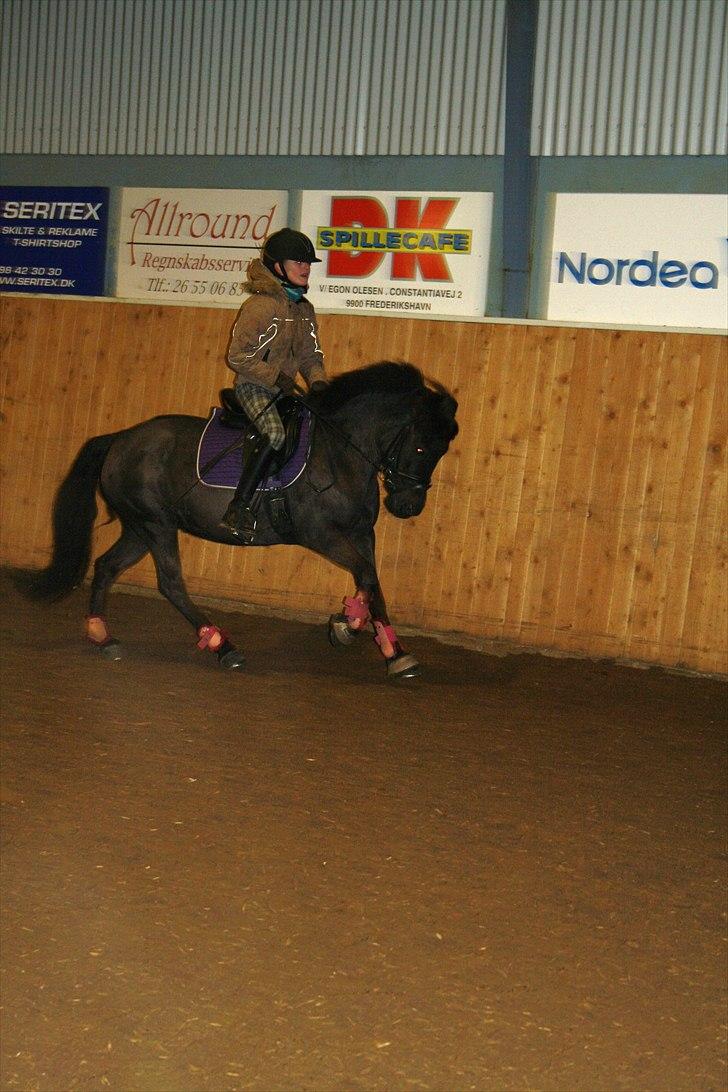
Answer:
(285, 383)
(317, 386)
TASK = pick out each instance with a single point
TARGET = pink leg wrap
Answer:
(97, 630)
(357, 611)
(386, 638)
(210, 637)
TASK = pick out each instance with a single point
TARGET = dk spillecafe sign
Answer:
(192, 246)
(416, 254)
(53, 239)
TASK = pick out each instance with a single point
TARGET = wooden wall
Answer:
(581, 509)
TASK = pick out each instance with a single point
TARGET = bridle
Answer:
(389, 466)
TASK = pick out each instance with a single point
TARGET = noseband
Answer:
(389, 467)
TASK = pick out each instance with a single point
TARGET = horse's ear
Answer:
(449, 405)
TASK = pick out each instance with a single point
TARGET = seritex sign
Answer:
(640, 259)
(53, 239)
(399, 253)
(192, 245)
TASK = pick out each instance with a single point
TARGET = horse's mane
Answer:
(385, 377)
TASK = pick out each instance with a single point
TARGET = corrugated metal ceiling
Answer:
(631, 77)
(357, 77)
(253, 77)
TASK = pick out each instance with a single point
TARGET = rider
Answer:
(274, 337)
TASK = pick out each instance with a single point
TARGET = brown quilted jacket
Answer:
(273, 334)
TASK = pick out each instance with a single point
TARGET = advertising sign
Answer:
(643, 259)
(192, 245)
(415, 254)
(53, 239)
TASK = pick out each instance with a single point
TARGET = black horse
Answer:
(384, 418)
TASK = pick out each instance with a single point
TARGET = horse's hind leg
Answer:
(164, 547)
(126, 551)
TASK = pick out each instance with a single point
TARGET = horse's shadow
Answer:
(274, 646)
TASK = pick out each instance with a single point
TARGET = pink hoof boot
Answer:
(216, 640)
(210, 637)
(98, 634)
(356, 611)
(400, 665)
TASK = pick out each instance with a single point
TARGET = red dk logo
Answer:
(367, 212)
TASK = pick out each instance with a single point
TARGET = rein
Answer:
(388, 466)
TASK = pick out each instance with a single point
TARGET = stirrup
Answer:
(240, 522)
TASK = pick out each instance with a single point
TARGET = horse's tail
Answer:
(74, 513)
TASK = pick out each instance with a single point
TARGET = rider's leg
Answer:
(258, 403)
(239, 518)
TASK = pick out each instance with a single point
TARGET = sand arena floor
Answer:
(506, 875)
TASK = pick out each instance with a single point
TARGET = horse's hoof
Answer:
(111, 650)
(403, 666)
(340, 633)
(232, 660)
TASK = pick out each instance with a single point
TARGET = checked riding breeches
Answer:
(261, 409)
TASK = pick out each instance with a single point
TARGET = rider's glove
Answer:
(285, 383)
(317, 386)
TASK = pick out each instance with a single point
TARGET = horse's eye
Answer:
(420, 451)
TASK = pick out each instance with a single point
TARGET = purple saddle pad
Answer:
(225, 473)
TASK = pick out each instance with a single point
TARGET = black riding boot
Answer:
(239, 519)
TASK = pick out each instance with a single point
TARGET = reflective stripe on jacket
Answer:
(273, 334)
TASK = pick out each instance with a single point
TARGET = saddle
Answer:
(225, 438)
(289, 409)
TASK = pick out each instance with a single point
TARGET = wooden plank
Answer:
(571, 509)
(508, 460)
(485, 501)
(666, 590)
(642, 370)
(476, 402)
(657, 533)
(558, 357)
(689, 453)
(704, 642)
(611, 429)
(453, 481)
(530, 433)
(417, 578)
(18, 442)
(58, 377)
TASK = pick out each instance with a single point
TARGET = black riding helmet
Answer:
(287, 245)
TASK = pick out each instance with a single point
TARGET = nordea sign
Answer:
(640, 259)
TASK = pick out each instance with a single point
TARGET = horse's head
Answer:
(416, 450)
(412, 421)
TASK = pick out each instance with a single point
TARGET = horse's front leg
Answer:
(367, 606)
(400, 664)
